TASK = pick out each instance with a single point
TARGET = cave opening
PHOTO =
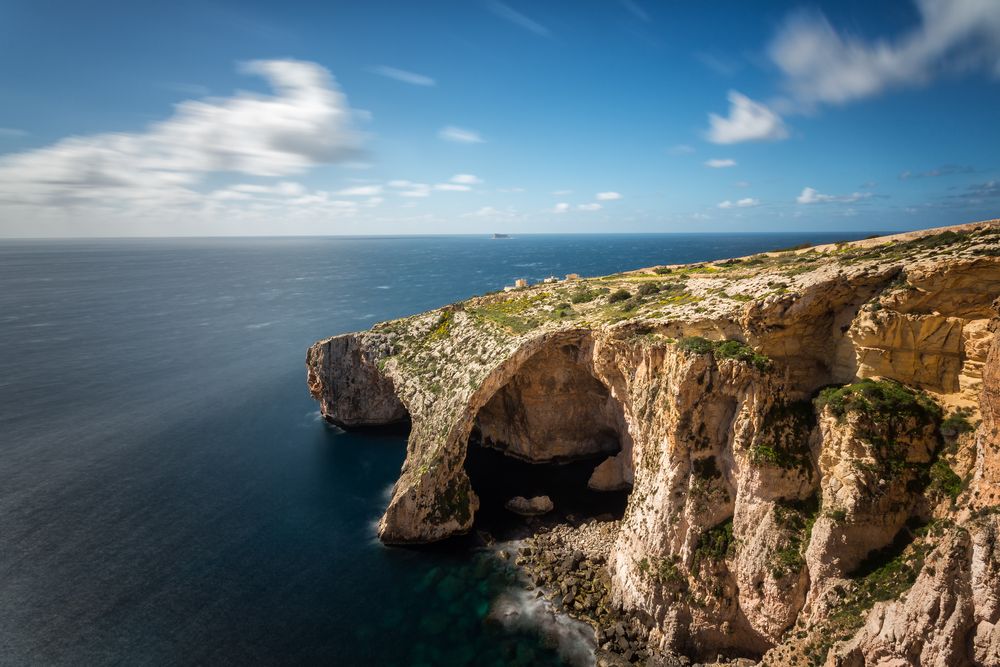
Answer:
(553, 430)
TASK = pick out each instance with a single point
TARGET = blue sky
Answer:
(125, 118)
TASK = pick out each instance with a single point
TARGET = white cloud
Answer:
(561, 207)
(746, 202)
(811, 196)
(747, 121)
(403, 75)
(116, 178)
(466, 179)
(508, 13)
(608, 196)
(452, 187)
(360, 191)
(821, 65)
(720, 163)
(589, 207)
(460, 135)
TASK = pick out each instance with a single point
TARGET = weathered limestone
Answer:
(755, 518)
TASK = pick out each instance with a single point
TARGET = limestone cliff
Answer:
(810, 438)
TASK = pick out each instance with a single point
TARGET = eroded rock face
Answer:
(553, 409)
(756, 519)
(343, 376)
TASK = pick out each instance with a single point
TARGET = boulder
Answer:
(529, 506)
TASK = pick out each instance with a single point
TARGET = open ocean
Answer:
(168, 493)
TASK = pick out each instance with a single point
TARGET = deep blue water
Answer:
(168, 495)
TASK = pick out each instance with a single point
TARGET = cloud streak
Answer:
(460, 135)
(403, 75)
(508, 13)
(821, 65)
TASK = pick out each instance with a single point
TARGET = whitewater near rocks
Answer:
(811, 438)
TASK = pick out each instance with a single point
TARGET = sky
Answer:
(478, 116)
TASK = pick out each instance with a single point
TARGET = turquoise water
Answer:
(168, 494)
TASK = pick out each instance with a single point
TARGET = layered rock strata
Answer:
(810, 438)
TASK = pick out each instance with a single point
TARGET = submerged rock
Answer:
(530, 506)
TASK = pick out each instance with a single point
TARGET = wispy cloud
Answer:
(822, 65)
(460, 135)
(747, 121)
(635, 10)
(560, 193)
(466, 179)
(590, 207)
(12, 132)
(508, 13)
(718, 64)
(681, 149)
(944, 170)
(720, 163)
(608, 196)
(403, 75)
(561, 207)
(811, 196)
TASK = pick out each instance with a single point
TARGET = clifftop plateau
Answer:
(809, 441)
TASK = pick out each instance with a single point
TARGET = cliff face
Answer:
(856, 525)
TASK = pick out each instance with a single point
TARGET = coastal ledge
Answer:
(810, 438)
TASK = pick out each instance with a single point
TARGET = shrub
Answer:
(716, 543)
(695, 345)
(648, 288)
(662, 270)
(583, 296)
(734, 349)
(881, 400)
(944, 479)
(619, 295)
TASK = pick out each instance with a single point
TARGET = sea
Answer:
(168, 492)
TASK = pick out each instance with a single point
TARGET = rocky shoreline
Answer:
(567, 564)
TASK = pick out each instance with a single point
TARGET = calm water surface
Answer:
(168, 495)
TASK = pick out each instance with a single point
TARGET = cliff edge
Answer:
(809, 438)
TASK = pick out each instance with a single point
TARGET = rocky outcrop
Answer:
(800, 432)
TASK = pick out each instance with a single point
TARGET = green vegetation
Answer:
(443, 327)
(662, 270)
(695, 345)
(619, 295)
(881, 400)
(646, 289)
(784, 437)
(586, 295)
(796, 519)
(944, 480)
(725, 349)
(716, 543)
